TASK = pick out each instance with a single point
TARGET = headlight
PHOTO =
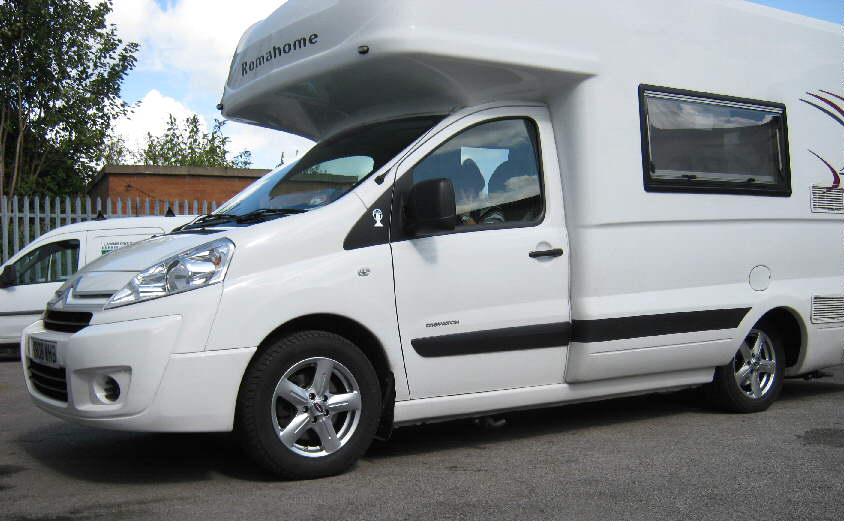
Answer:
(192, 269)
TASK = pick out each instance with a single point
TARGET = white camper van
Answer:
(514, 206)
(31, 277)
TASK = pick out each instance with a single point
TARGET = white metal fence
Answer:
(26, 218)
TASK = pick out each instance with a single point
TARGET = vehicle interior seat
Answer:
(469, 183)
(514, 186)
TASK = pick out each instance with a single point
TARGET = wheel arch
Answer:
(359, 335)
(792, 330)
(348, 328)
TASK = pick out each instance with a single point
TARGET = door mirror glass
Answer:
(431, 207)
(8, 277)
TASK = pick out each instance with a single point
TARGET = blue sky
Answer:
(187, 45)
(830, 10)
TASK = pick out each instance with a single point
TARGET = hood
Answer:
(96, 282)
(143, 254)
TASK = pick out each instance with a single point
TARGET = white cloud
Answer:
(155, 109)
(197, 38)
(194, 36)
(151, 117)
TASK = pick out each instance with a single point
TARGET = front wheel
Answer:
(752, 381)
(309, 405)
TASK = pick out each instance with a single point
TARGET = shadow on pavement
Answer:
(10, 353)
(133, 458)
(138, 458)
(571, 418)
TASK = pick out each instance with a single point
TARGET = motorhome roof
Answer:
(316, 67)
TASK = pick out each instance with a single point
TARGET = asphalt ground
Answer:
(654, 457)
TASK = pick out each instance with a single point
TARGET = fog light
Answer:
(107, 386)
(111, 389)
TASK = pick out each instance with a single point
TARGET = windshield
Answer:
(330, 169)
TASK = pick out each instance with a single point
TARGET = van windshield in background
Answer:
(330, 169)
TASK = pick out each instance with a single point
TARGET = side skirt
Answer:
(444, 408)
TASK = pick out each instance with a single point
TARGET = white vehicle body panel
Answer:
(658, 288)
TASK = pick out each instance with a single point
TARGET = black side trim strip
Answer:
(495, 340)
(21, 313)
(561, 334)
(653, 325)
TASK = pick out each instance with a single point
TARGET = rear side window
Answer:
(697, 142)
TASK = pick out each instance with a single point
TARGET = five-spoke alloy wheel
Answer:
(755, 365)
(753, 379)
(316, 408)
(309, 405)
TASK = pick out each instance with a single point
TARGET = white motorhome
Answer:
(510, 206)
(31, 277)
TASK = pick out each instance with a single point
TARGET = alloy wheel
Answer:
(755, 365)
(316, 407)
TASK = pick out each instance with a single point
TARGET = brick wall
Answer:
(99, 189)
(171, 183)
(199, 188)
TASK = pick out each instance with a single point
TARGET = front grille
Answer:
(827, 309)
(66, 321)
(827, 200)
(49, 381)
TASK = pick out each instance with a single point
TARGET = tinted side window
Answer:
(495, 172)
(54, 262)
(698, 142)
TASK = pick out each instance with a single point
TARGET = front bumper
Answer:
(160, 389)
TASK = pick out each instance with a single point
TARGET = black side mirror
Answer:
(8, 278)
(430, 207)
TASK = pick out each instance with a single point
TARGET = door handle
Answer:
(556, 252)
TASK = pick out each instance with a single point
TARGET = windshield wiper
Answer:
(267, 213)
(213, 219)
(213, 216)
(207, 220)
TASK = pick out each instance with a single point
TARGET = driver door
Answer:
(485, 307)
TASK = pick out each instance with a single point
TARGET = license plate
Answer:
(43, 352)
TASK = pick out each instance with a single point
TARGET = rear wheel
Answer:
(309, 405)
(752, 381)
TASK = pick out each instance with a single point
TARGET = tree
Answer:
(61, 68)
(190, 146)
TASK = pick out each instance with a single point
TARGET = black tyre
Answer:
(752, 380)
(308, 406)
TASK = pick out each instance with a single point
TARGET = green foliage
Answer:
(188, 145)
(115, 151)
(61, 68)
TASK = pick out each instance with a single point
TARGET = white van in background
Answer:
(31, 277)
(510, 205)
